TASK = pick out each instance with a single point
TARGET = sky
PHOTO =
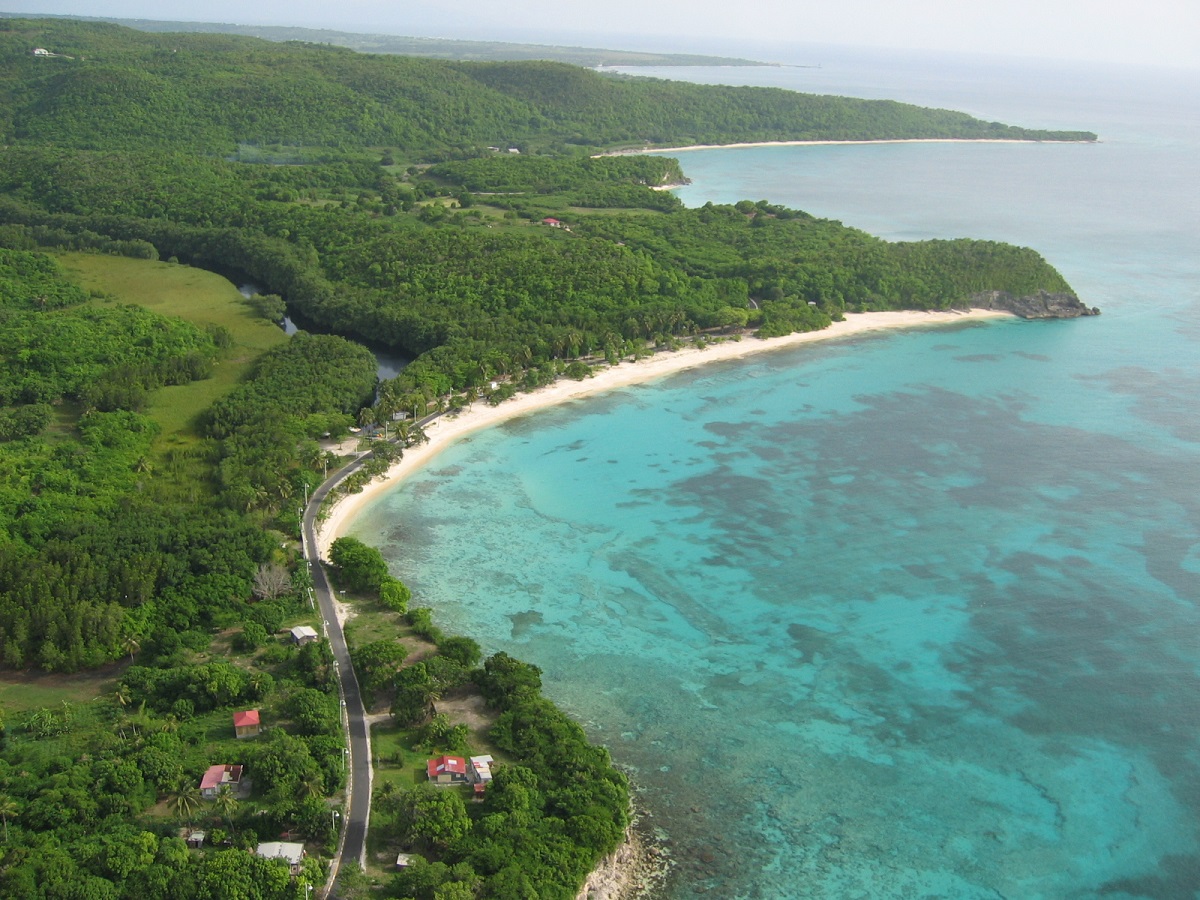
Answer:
(1145, 32)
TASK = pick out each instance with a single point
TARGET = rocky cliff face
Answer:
(1042, 305)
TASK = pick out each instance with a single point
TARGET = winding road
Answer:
(352, 843)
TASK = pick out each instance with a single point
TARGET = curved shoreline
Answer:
(446, 430)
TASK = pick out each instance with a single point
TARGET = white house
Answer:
(292, 854)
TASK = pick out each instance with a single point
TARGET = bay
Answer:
(905, 615)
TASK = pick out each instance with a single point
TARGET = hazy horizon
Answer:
(1158, 33)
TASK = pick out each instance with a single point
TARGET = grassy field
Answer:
(197, 296)
(22, 691)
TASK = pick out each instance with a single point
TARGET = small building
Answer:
(304, 634)
(218, 777)
(404, 860)
(447, 770)
(246, 724)
(41, 51)
(292, 854)
(553, 223)
(195, 839)
(481, 769)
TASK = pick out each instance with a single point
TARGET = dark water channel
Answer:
(388, 364)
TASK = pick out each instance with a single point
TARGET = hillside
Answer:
(124, 139)
(112, 88)
(437, 48)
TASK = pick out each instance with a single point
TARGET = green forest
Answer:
(154, 453)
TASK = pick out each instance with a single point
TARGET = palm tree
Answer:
(140, 718)
(130, 645)
(226, 804)
(311, 786)
(186, 799)
(8, 809)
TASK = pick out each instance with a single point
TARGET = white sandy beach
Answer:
(447, 429)
(742, 146)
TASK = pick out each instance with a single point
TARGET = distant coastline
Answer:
(628, 151)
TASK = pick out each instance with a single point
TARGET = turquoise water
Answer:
(910, 615)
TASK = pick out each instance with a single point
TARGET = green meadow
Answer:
(196, 295)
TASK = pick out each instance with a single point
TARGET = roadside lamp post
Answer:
(335, 816)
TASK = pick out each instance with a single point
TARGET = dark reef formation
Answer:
(1042, 305)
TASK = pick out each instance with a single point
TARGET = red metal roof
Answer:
(242, 719)
(216, 776)
(446, 765)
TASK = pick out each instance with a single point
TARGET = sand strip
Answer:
(741, 146)
(447, 429)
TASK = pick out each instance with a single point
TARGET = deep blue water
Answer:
(909, 615)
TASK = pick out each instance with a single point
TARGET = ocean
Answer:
(905, 615)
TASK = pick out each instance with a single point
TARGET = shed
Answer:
(304, 634)
(481, 769)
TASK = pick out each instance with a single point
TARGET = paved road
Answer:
(353, 843)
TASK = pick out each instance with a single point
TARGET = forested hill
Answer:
(107, 87)
(438, 48)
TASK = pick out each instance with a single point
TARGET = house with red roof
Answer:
(553, 223)
(217, 777)
(447, 770)
(246, 724)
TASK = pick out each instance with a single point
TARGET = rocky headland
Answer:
(1041, 305)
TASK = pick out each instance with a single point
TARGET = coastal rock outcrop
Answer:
(1042, 305)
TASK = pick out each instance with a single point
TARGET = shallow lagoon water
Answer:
(904, 615)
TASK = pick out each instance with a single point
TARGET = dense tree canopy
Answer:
(109, 87)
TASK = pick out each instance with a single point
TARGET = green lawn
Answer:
(197, 296)
(394, 758)
(372, 621)
(21, 691)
